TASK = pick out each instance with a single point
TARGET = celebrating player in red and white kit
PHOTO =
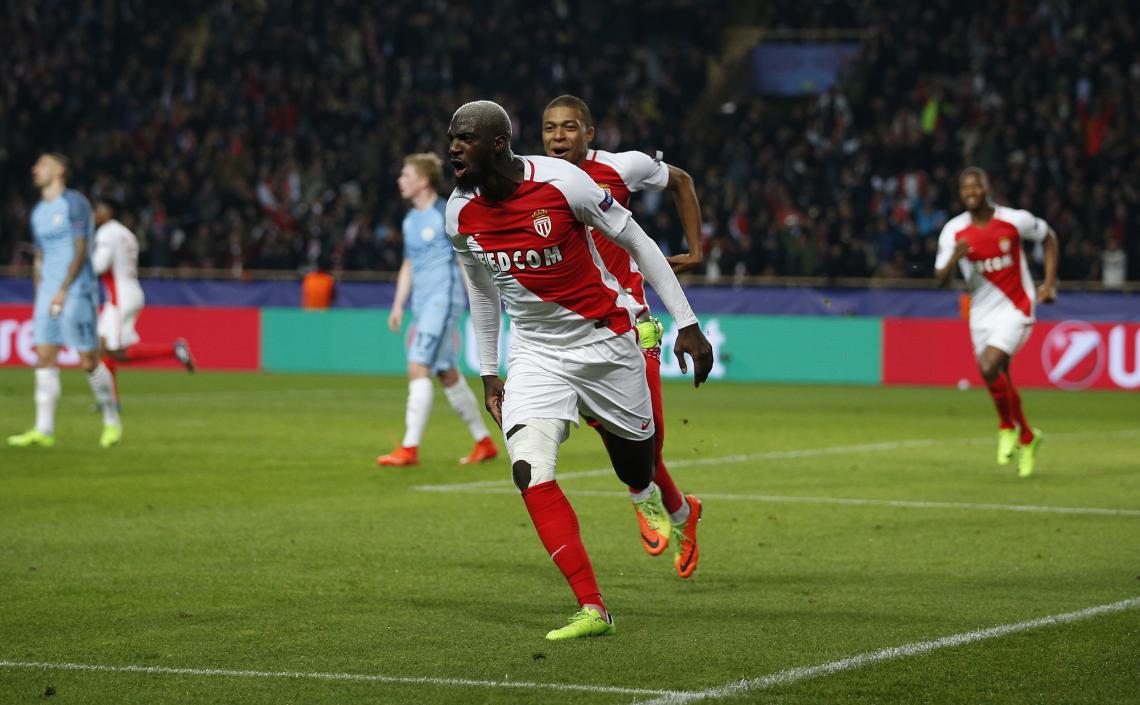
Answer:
(519, 225)
(116, 263)
(567, 130)
(986, 243)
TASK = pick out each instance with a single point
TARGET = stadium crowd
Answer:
(264, 134)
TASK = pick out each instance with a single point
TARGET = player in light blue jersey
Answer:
(67, 298)
(431, 275)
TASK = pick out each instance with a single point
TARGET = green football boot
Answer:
(1027, 463)
(1007, 444)
(586, 622)
(111, 436)
(31, 438)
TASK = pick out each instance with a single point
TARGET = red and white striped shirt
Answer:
(535, 249)
(995, 268)
(622, 174)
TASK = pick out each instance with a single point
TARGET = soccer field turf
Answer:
(242, 526)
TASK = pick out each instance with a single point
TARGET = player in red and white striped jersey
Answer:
(985, 242)
(116, 260)
(520, 226)
(567, 130)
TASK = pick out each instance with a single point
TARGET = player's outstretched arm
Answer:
(656, 270)
(1047, 292)
(685, 196)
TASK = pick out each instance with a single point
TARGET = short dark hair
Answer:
(110, 199)
(573, 101)
(977, 172)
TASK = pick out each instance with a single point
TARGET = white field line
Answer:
(718, 460)
(794, 675)
(337, 677)
(791, 454)
(858, 502)
(663, 697)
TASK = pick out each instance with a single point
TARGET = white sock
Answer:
(681, 515)
(103, 387)
(419, 407)
(47, 396)
(463, 401)
(644, 494)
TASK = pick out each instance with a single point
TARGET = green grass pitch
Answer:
(243, 526)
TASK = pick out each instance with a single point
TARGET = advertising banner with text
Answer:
(1058, 355)
(221, 338)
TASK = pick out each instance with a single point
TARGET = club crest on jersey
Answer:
(542, 223)
(1004, 244)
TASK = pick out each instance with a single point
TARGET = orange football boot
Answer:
(483, 451)
(404, 455)
(686, 551)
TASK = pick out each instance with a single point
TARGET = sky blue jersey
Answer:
(56, 225)
(435, 271)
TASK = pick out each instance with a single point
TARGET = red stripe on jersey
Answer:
(108, 279)
(614, 256)
(995, 253)
(558, 268)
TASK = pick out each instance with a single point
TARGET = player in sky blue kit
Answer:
(431, 275)
(67, 297)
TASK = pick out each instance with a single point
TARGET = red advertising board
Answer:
(221, 338)
(1065, 355)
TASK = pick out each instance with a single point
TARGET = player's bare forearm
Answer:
(37, 265)
(493, 392)
(692, 342)
(685, 196)
(403, 285)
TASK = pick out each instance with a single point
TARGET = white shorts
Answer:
(604, 380)
(1007, 331)
(117, 321)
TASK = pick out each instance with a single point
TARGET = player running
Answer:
(431, 274)
(65, 302)
(519, 225)
(986, 243)
(567, 130)
(116, 263)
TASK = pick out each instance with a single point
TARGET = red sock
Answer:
(149, 351)
(557, 527)
(1000, 391)
(1017, 414)
(113, 367)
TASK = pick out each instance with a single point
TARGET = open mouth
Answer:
(459, 166)
(559, 151)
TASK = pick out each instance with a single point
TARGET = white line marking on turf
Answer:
(858, 502)
(782, 455)
(794, 675)
(339, 677)
(718, 460)
(852, 501)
